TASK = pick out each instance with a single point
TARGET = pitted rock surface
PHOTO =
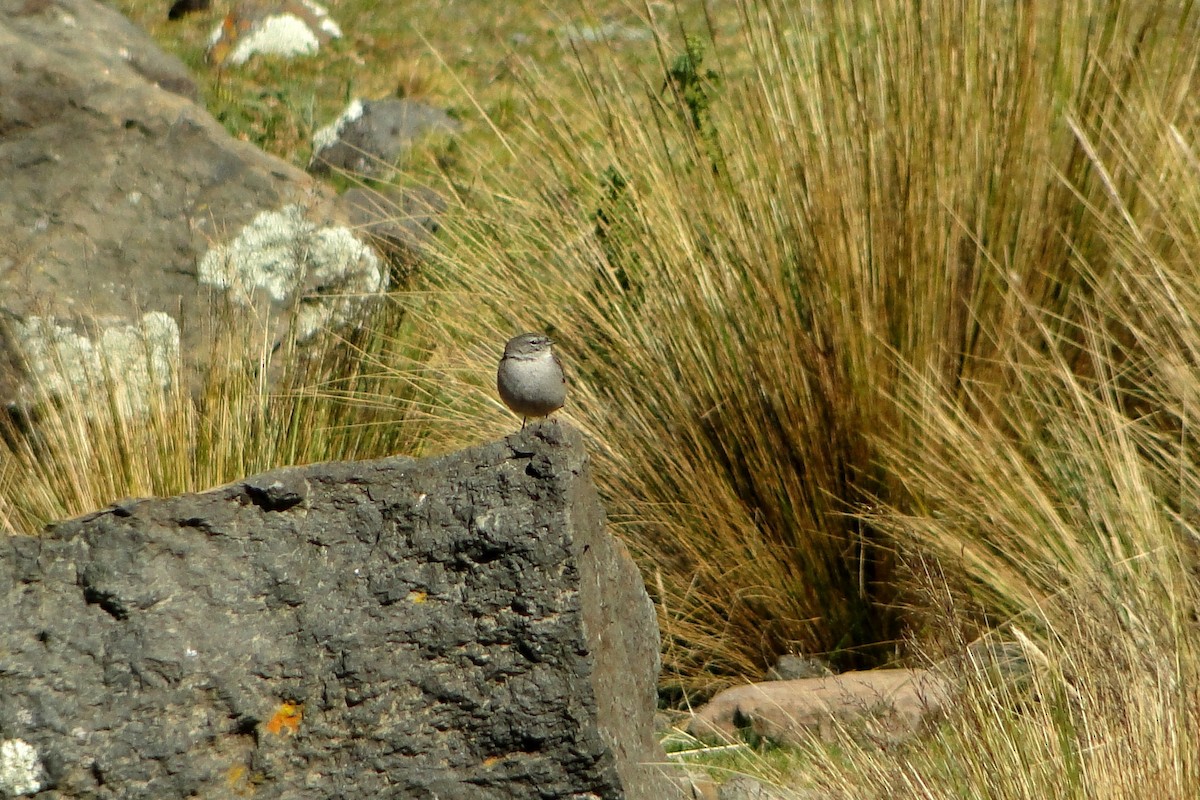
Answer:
(458, 627)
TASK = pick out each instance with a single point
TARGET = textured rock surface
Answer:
(459, 627)
(117, 185)
(371, 134)
(286, 28)
(399, 222)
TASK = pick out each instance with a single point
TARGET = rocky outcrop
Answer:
(127, 210)
(459, 627)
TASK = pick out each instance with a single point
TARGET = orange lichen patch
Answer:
(286, 720)
(417, 597)
(230, 30)
(491, 761)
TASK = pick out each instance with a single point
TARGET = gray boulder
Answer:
(458, 627)
(371, 134)
(128, 212)
(399, 223)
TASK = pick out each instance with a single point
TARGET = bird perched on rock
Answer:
(530, 378)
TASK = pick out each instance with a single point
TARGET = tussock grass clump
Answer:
(757, 260)
(1061, 494)
(239, 412)
(1108, 711)
(1072, 463)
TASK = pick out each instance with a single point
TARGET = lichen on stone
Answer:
(288, 28)
(328, 136)
(282, 255)
(21, 770)
(281, 34)
(130, 360)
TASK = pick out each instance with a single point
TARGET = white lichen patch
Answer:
(267, 255)
(21, 770)
(324, 21)
(345, 272)
(127, 362)
(277, 27)
(329, 135)
(218, 33)
(279, 34)
(283, 256)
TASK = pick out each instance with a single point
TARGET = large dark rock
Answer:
(459, 627)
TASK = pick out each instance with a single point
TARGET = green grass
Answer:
(881, 325)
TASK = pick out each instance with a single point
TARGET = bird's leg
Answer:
(523, 421)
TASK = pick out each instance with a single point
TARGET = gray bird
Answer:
(530, 378)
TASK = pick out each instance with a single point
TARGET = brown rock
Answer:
(887, 703)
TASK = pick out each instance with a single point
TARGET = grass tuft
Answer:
(239, 413)
(762, 255)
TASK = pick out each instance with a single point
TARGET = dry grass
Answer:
(1071, 463)
(766, 283)
(1061, 494)
(238, 414)
(1110, 712)
(895, 287)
